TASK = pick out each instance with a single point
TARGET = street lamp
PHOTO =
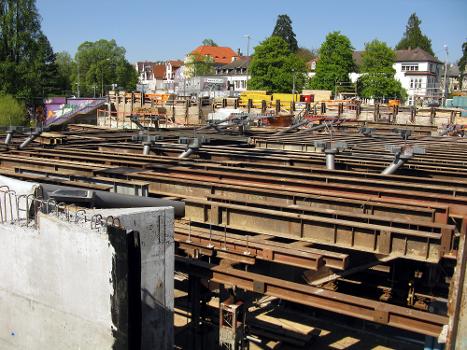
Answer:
(293, 84)
(445, 76)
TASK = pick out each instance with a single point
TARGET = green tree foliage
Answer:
(377, 78)
(462, 64)
(335, 62)
(209, 42)
(65, 66)
(197, 65)
(101, 64)
(273, 67)
(283, 29)
(12, 112)
(413, 36)
(27, 61)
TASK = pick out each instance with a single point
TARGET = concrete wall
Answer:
(68, 286)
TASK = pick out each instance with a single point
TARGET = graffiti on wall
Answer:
(62, 108)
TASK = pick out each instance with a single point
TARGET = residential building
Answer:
(171, 68)
(453, 77)
(218, 54)
(418, 71)
(236, 73)
(157, 77)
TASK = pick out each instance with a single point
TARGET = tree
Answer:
(197, 64)
(283, 29)
(377, 78)
(12, 112)
(413, 36)
(27, 61)
(209, 42)
(65, 67)
(335, 62)
(101, 64)
(273, 67)
(462, 64)
(306, 54)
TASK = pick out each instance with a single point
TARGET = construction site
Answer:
(259, 222)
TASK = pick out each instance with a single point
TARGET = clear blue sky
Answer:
(159, 30)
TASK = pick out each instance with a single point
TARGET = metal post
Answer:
(293, 85)
(445, 77)
(330, 159)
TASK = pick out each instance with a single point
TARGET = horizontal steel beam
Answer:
(362, 308)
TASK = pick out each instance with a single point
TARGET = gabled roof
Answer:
(239, 62)
(409, 55)
(175, 63)
(218, 53)
(414, 55)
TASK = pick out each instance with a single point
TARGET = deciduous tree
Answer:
(65, 66)
(335, 62)
(274, 68)
(413, 36)
(377, 79)
(12, 111)
(27, 61)
(197, 64)
(462, 64)
(101, 64)
(209, 42)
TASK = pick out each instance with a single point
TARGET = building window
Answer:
(411, 83)
(243, 82)
(407, 67)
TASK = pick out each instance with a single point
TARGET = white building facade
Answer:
(236, 73)
(418, 72)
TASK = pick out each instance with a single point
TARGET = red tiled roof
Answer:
(176, 64)
(159, 71)
(219, 54)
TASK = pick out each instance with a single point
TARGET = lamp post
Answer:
(293, 84)
(248, 37)
(445, 95)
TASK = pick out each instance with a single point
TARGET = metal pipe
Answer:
(8, 138)
(396, 164)
(104, 199)
(291, 128)
(313, 128)
(186, 153)
(330, 159)
(146, 148)
(31, 138)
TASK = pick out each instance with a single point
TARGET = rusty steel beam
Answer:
(372, 238)
(362, 308)
(212, 242)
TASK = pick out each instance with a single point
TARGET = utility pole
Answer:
(293, 84)
(248, 37)
(445, 95)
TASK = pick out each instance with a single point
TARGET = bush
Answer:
(12, 112)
